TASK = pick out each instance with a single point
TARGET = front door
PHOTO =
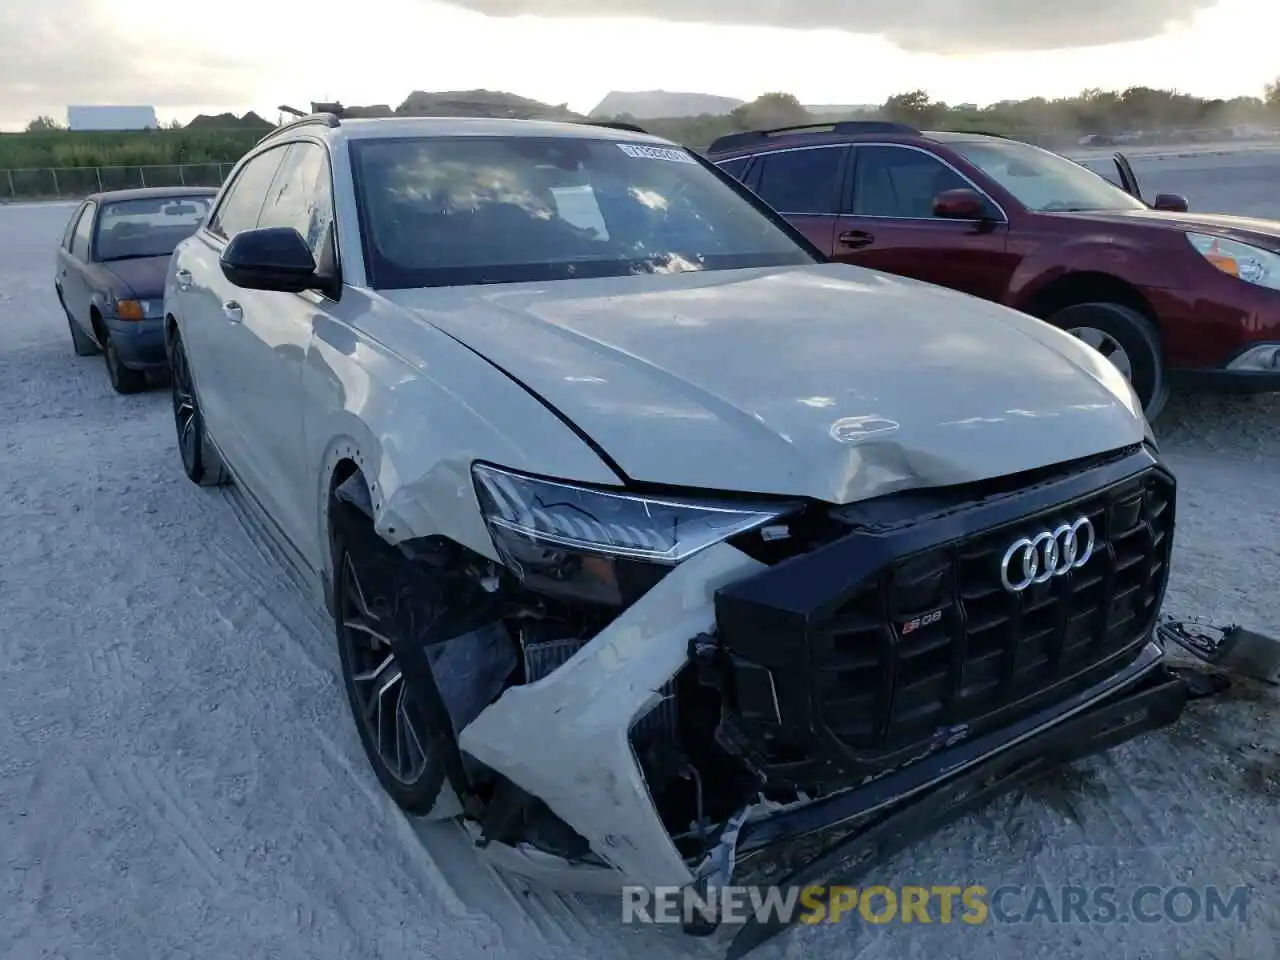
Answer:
(270, 342)
(803, 184)
(891, 226)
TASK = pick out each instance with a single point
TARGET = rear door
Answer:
(804, 185)
(889, 223)
(208, 305)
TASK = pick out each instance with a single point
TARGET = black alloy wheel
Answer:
(377, 683)
(199, 461)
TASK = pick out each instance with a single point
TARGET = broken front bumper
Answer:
(892, 813)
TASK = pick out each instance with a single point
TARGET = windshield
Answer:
(129, 229)
(463, 210)
(1042, 181)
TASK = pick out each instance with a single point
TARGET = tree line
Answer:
(1138, 112)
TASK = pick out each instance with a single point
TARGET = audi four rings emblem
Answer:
(1049, 554)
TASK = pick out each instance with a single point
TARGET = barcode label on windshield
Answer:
(642, 152)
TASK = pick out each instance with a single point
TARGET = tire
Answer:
(200, 460)
(373, 610)
(123, 380)
(1117, 330)
(81, 342)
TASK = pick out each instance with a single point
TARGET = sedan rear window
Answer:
(464, 210)
(131, 229)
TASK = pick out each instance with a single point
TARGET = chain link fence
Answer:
(44, 183)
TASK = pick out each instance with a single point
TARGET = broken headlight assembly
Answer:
(602, 546)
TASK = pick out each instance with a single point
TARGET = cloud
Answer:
(59, 52)
(925, 26)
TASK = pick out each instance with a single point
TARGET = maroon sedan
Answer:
(1167, 295)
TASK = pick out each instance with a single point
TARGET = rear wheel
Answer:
(200, 461)
(1128, 340)
(123, 380)
(81, 342)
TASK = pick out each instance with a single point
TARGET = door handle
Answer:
(233, 311)
(184, 279)
(856, 238)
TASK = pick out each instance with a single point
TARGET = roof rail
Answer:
(614, 125)
(732, 141)
(328, 119)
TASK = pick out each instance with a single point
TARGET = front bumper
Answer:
(139, 343)
(965, 778)
(1255, 369)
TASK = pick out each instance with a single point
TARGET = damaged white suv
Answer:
(662, 552)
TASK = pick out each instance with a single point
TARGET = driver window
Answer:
(300, 196)
(900, 183)
(242, 202)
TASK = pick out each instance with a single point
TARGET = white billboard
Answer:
(112, 118)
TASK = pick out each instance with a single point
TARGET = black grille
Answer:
(924, 638)
(887, 676)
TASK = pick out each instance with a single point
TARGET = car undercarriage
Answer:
(805, 692)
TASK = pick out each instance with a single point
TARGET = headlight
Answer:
(597, 544)
(1249, 263)
(138, 309)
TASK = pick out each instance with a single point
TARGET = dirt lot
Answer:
(179, 777)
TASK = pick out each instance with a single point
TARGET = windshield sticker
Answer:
(643, 152)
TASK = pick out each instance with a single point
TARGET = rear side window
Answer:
(80, 240)
(243, 201)
(801, 181)
(900, 183)
(735, 168)
(74, 222)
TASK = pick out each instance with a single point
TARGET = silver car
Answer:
(660, 551)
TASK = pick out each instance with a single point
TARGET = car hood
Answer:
(824, 381)
(1247, 229)
(144, 277)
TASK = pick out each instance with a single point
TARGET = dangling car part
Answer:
(660, 551)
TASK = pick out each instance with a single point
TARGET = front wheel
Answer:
(1128, 340)
(390, 691)
(123, 380)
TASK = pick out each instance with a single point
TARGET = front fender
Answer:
(1111, 253)
(413, 409)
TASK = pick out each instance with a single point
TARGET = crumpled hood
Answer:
(1265, 233)
(144, 277)
(824, 381)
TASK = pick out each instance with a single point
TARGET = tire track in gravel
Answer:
(134, 785)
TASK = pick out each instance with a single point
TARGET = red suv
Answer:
(1165, 294)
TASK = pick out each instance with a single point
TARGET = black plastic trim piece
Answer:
(1155, 703)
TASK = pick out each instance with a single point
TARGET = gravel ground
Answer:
(179, 776)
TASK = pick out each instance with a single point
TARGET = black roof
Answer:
(154, 193)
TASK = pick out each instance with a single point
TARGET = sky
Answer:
(256, 54)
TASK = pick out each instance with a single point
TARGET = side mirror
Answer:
(1171, 202)
(270, 258)
(959, 204)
